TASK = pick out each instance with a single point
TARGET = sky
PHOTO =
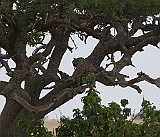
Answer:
(146, 61)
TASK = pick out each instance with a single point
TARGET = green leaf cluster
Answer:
(87, 79)
(151, 119)
(121, 8)
(35, 37)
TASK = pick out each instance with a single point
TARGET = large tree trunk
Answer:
(14, 110)
(11, 115)
(8, 116)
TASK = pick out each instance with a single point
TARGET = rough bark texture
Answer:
(20, 102)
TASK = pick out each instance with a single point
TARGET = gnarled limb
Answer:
(68, 93)
(149, 79)
(5, 64)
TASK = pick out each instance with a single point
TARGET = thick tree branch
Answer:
(5, 64)
(68, 83)
(145, 42)
(148, 27)
(122, 32)
(106, 78)
(58, 52)
(2, 85)
(4, 42)
(4, 56)
(135, 40)
(101, 50)
(141, 77)
(134, 27)
(48, 48)
(70, 93)
(49, 75)
(149, 79)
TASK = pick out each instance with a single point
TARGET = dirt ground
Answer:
(51, 124)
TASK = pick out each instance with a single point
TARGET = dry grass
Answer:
(51, 125)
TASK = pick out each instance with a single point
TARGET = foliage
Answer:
(126, 8)
(97, 120)
(33, 130)
(86, 79)
(29, 13)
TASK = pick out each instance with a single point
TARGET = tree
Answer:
(97, 120)
(27, 23)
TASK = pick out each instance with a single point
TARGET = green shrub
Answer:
(34, 130)
(97, 120)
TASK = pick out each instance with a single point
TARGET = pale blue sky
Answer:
(147, 61)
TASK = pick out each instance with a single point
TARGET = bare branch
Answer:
(4, 56)
(2, 86)
(136, 88)
(124, 61)
(58, 52)
(135, 26)
(132, 41)
(74, 42)
(145, 42)
(39, 48)
(149, 79)
(38, 56)
(5, 64)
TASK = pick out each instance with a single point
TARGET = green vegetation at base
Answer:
(97, 120)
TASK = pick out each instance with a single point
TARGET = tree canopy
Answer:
(25, 23)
